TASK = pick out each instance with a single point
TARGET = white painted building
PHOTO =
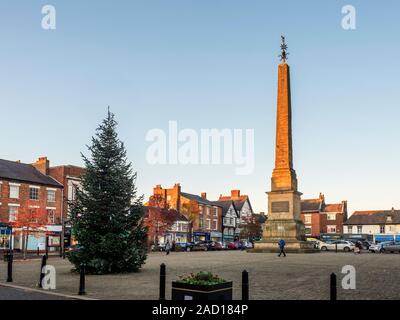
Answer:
(380, 224)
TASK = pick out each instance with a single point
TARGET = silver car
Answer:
(391, 247)
(342, 245)
(379, 247)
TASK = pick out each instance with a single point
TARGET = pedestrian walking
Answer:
(282, 244)
(167, 247)
(173, 245)
(358, 247)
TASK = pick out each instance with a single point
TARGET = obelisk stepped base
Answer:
(292, 246)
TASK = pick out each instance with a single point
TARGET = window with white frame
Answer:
(331, 216)
(307, 219)
(209, 224)
(34, 193)
(12, 213)
(208, 211)
(215, 227)
(382, 228)
(349, 229)
(14, 191)
(216, 212)
(308, 230)
(359, 229)
(1, 187)
(51, 195)
(331, 229)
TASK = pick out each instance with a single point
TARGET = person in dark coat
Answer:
(282, 244)
(167, 247)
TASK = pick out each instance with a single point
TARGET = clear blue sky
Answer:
(210, 64)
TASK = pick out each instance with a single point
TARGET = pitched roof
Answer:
(334, 207)
(197, 198)
(374, 217)
(23, 172)
(225, 205)
(311, 205)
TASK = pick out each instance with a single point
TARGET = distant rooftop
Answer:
(22, 172)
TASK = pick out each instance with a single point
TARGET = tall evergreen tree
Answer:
(107, 215)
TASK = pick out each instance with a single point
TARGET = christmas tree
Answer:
(107, 214)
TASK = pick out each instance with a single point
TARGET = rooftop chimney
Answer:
(235, 194)
(42, 164)
(204, 195)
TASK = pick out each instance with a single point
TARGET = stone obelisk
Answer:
(284, 204)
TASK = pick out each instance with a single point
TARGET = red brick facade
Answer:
(205, 217)
(321, 218)
(25, 203)
(67, 176)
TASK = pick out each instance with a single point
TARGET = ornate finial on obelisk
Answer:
(284, 47)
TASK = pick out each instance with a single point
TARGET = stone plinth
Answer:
(292, 246)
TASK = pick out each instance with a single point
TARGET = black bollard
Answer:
(47, 246)
(82, 280)
(333, 287)
(37, 251)
(245, 285)
(44, 262)
(162, 281)
(10, 258)
(336, 247)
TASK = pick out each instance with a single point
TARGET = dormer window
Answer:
(388, 219)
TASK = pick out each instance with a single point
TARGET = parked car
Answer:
(342, 245)
(73, 248)
(247, 244)
(214, 245)
(364, 243)
(183, 246)
(158, 247)
(200, 246)
(234, 245)
(386, 246)
(377, 248)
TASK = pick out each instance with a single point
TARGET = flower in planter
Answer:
(202, 278)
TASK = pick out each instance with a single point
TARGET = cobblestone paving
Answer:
(298, 276)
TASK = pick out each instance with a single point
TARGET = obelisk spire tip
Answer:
(284, 47)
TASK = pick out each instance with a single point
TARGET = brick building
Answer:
(323, 220)
(28, 188)
(70, 177)
(204, 216)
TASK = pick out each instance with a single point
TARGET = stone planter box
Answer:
(185, 291)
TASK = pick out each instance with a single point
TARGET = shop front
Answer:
(37, 240)
(178, 237)
(386, 237)
(330, 236)
(216, 236)
(201, 236)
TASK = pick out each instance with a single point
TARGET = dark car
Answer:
(184, 246)
(214, 245)
(364, 243)
(158, 247)
(198, 246)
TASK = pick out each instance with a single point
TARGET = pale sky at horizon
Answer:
(210, 64)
